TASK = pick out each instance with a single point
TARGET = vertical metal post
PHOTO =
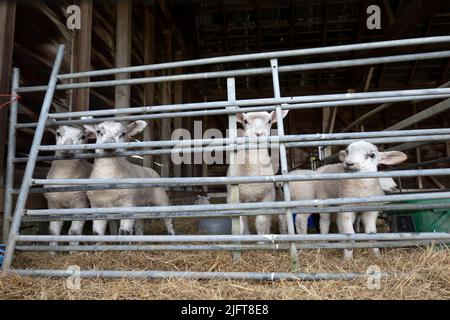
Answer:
(234, 189)
(9, 182)
(34, 151)
(284, 164)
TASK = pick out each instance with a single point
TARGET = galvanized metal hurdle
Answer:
(234, 243)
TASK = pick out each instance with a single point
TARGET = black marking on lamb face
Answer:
(123, 232)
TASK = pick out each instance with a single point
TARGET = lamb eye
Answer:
(122, 134)
(98, 132)
(245, 121)
(269, 122)
(372, 155)
(58, 134)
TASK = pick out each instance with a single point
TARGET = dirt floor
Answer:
(428, 274)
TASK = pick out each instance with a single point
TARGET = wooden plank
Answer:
(149, 89)
(81, 56)
(123, 50)
(7, 25)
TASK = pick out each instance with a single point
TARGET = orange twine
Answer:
(15, 97)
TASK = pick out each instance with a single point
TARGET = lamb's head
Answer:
(258, 124)
(114, 132)
(69, 135)
(364, 156)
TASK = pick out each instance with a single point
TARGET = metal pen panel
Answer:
(233, 189)
(10, 165)
(34, 150)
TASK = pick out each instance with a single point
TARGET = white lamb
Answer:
(68, 169)
(359, 156)
(256, 162)
(120, 168)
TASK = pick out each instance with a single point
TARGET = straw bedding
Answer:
(428, 268)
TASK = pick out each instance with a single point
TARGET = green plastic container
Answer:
(427, 220)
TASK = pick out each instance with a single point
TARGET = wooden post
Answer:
(7, 24)
(418, 155)
(81, 56)
(166, 89)
(149, 89)
(178, 99)
(189, 122)
(123, 50)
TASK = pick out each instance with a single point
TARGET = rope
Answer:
(13, 97)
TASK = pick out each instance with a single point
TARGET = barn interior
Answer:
(128, 33)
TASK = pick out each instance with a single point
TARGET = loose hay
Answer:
(429, 278)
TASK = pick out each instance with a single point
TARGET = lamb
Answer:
(120, 168)
(359, 156)
(68, 169)
(255, 162)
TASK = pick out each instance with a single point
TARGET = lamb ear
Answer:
(392, 157)
(51, 129)
(342, 155)
(273, 114)
(136, 127)
(90, 135)
(240, 117)
(90, 129)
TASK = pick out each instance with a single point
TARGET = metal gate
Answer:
(234, 243)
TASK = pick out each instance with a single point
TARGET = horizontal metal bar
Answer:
(231, 213)
(246, 72)
(254, 276)
(303, 106)
(242, 206)
(231, 247)
(260, 56)
(243, 238)
(193, 181)
(241, 140)
(210, 149)
(252, 102)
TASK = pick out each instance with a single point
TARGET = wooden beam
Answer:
(437, 183)
(7, 27)
(149, 88)
(418, 154)
(427, 31)
(378, 110)
(425, 114)
(123, 50)
(178, 99)
(81, 56)
(173, 28)
(166, 90)
(404, 25)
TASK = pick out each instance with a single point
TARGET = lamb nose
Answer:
(349, 164)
